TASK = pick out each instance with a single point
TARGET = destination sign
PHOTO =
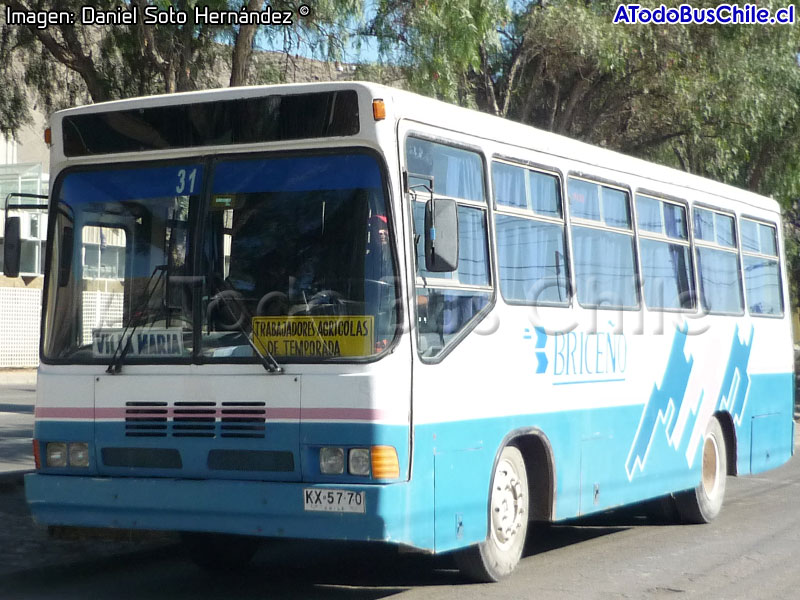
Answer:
(145, 342)
(315, 336)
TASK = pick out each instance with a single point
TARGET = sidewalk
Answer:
(17, 398)
(17, 376)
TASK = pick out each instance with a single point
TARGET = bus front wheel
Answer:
(498, 555)
(704, 503)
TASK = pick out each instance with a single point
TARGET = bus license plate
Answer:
(334, 500)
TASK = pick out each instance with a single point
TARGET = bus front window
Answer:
(291, 255)
(297, 255)
(119, 251)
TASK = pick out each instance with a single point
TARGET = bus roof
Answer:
(408, 105)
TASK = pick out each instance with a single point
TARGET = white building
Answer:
(23, 169)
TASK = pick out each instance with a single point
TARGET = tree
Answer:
(13, 103)
(104, 62)
(111, 61)
(442, 44)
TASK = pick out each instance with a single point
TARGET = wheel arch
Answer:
(537, 452)
(731, 443)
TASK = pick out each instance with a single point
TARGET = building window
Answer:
(25, 178)
(103, 252)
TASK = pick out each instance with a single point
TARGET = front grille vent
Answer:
(243, 419)
(196, 419)
(146, 419)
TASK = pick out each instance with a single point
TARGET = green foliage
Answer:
(13, 104)
(75, 63)
(101, 62)
(439, 42)
(324, 34)
(327, 30)
(792, 253)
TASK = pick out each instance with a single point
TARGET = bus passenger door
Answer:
(452, 393)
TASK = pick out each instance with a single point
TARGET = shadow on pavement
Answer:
(285, 568)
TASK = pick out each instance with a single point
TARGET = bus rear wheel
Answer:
(704, 503)
(499, 554)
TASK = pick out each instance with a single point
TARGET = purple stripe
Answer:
(59, 412)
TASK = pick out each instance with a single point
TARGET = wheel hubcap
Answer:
(507, 504)
(710, 466)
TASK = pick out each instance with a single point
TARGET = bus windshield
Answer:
(183, 262)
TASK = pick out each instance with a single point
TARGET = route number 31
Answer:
(184, 179)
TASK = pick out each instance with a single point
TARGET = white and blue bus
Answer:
(344, 311)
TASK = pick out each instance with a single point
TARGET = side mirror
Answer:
(12, 246)
(441, 235)
(65, 256)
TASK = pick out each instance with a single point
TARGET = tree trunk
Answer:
(243, 48)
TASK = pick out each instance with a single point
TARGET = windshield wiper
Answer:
(124, 345)
(267, 360)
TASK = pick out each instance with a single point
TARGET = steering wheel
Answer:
(274, 303)
(226, 310)
(333, 297)
(322, 297)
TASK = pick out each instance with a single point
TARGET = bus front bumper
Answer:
(267, 509)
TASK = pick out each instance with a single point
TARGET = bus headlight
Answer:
(358, 462)
(331, 460)
(376, 462)
(78, 454)
(63, 454)
(56, 454)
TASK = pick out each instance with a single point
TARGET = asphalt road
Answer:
(16, 426)
(751, 551)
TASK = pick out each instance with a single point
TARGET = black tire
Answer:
(704, 503)
(219, 552)
(499, 554)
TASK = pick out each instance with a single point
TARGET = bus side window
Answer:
(666, 258)
(531, 242)
(717, 262)
(762, 274)
(603, 251)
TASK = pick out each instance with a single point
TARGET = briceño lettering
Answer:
(589, 353)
